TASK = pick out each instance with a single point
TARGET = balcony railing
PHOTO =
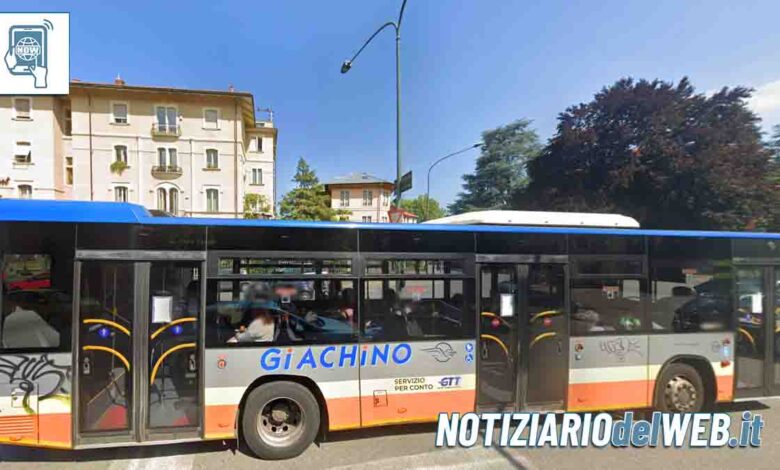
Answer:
(166, 130)
(166, 172)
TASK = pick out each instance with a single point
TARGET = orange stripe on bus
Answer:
(609, 395)
(725, 385)
(416, 407)
(55, 429)
(343, 413)
(220, 421)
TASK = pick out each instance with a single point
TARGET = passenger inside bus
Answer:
(281, 311)
(260, 330)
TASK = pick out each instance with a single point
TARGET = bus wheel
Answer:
(281, 419)
(681, 390)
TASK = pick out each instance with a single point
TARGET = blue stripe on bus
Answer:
(19, 210)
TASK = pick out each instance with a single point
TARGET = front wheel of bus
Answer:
(280, 420)
(680, 390)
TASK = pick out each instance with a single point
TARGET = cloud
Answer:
(766, 103)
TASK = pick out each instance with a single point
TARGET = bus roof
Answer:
(25, 210)
(539, 218)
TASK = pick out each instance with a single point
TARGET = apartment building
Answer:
(368, 198)
(185, 152)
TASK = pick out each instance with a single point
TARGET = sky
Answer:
(467, 66)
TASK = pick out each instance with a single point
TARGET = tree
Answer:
(501, 168)
(773, 145)
(418, 207)
(660, 153)
(308, 200)
(255, 206)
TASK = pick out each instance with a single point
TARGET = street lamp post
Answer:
(428, 184)
(347, 64)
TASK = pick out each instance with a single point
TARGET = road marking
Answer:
(169, 462)
(452, 459)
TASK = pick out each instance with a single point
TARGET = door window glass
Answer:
(174, 308)
(751, 318)
(106, 306)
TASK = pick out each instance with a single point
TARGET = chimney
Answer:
(118, 81)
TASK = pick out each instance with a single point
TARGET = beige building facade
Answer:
(191, 153)
(368, 198)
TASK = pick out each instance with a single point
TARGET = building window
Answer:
(67, 121)
(69, 170)
(210, 119)
(120, 194)
(23, 152)
(166, 119)
(162, 199)
(257, 176)
(212, 200)
(259, 144)
(384, 219)
(173, 201)
(167, 157)
(366, 218)
(385, 198)
(344, 199)
(119, 113)
(212, 159)
(25, 191)
(120, 153)
(368, 198)
(22, 108)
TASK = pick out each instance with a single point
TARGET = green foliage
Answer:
(501, 168)
(424, 212)
(661, 153)
(308, 200)
(774, 146)
(118, 167)
(255, 206)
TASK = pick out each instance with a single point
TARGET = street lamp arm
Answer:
(428, 185)
(452, 155)
(401, 15)
(389, 23)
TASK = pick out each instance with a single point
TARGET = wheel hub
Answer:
(280, 421)
(681, 394)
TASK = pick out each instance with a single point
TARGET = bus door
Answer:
(138, 346)
(523, 337)
(758, 331)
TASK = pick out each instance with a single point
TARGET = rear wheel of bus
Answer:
(680, 389)
(280, 420)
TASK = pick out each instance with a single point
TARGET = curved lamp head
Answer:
(346, 66)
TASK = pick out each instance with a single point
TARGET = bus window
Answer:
(690, 297)
(280, 311)
(35, 310)
(401, 309)
(606, 305)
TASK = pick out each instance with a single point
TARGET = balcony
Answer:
(166, 130)
(166, 172)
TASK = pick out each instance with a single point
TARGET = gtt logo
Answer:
(449, 382)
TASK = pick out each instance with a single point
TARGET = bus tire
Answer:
(680, 390)
(280, 420)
